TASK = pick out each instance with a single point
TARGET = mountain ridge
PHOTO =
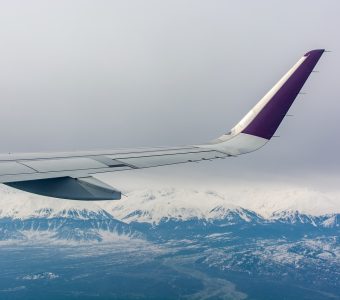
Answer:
(155, 206)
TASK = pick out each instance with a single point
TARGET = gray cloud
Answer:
(103, 74)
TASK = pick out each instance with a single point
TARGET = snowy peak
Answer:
(20, 205)
(159, 205)
(234, 215)
(163, 204)
(332, 221)
(154, 206)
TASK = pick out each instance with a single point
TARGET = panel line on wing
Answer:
(169, 159)
(22, 163)
(199, 150)
(62, 155)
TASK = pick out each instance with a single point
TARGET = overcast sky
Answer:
(78, 75)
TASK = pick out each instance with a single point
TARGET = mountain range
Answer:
(286, 238)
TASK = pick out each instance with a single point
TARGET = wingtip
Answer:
(268, 115)
(315, 52)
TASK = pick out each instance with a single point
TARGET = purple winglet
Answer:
(269, 118)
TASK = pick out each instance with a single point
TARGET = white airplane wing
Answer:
(69, 175)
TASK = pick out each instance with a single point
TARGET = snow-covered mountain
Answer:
(272, 235)
(165, 213)
(159, 205)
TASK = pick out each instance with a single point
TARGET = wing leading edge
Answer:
(69, 175)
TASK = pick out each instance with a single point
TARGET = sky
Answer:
(80, 75)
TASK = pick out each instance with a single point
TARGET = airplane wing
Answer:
(69, 175)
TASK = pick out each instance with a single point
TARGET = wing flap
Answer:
(170, 159)
(76, 167)
(12, 168)
(63, 164)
